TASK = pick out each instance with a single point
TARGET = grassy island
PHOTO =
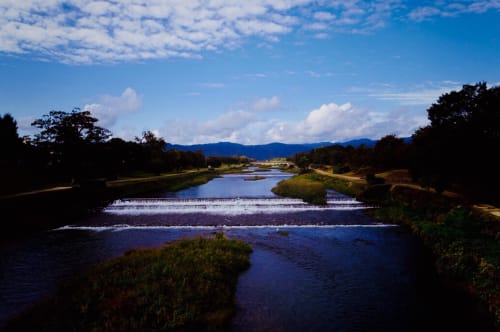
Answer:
(303, 186)
(311, 187)
(186, 285)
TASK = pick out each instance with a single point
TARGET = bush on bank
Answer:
(186, 285)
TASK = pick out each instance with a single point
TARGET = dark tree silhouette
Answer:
(390, 153)
(9, 138)
(459, 146)
(70, 141)
(77, 126)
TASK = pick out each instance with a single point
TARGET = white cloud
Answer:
(453, 8)
(109, 108)
(212, 85)
(266, 104)
(417, 96)
(422, 13)
(82, 32)
(330, 122)
(323, 16)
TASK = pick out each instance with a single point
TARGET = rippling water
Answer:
(313, 268)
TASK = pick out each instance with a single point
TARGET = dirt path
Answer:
(34, 192)
(356, 179)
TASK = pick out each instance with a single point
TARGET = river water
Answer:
(313, 268)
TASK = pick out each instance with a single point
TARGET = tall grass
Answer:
(184, 286)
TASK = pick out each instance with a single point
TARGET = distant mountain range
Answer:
(262, 152)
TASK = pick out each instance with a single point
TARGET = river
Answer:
(313, 268)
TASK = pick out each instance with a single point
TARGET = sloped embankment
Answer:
(463, 239)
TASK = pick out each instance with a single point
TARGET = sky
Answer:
(250, 72)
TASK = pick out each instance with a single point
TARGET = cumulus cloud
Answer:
(109, 108)
(330, 122)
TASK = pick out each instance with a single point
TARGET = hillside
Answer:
(260, 152)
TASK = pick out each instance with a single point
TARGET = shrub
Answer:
(341, 168)
(371, 179)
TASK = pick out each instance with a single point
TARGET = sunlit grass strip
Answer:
(187, 285)
(302, 186)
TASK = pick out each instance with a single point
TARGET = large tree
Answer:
(73, 127)
(390, 152)
(71, 140)
(460, 144)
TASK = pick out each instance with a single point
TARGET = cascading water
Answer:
(225, 206)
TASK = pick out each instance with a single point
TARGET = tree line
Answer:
(458, 150)
(70, 148)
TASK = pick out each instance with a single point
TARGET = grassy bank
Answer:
(166, 182)
(53, 207)
(463, 240)
(184, 286)
(466, 246)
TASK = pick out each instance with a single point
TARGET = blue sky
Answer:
(250, 72)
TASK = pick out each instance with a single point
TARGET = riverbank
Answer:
(463, 238)
(53, 207)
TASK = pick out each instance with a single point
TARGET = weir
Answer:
(226, 206)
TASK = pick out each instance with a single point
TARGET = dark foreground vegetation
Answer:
(187, 285)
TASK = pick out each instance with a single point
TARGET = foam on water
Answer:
(225, 206)
(122, 227)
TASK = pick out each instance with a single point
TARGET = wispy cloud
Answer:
(212, 85)
(421, 95)
(107, 109)
(453, 8)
